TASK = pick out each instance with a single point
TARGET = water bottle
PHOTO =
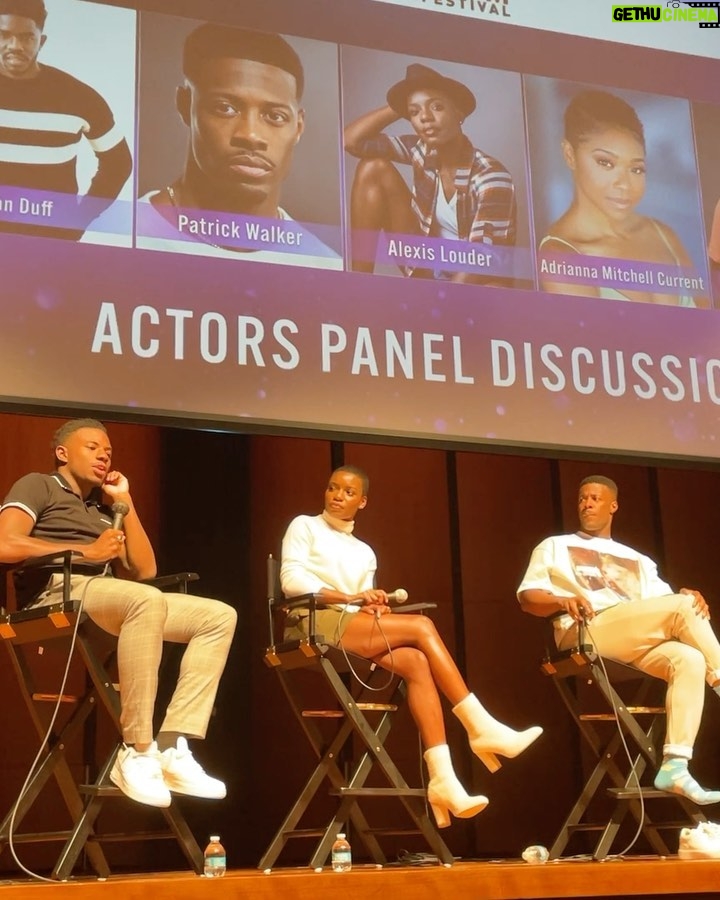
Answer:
(341, 855)
(215, 859)
(536, 855)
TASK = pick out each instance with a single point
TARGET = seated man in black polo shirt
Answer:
(70, 510)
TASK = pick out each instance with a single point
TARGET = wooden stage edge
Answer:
(650, 876)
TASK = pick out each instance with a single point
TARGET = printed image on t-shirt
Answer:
(597, 571)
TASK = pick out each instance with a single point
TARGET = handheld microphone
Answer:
(120, 510)
(399, 595)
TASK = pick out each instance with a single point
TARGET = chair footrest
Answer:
(118, 837)
(32, 837)
(377, 707)
(100, 790)
(304, 833)
(378, 792)
(54, 698)
(339, 713)
(648, 792)
(632, 710)
(396, 832)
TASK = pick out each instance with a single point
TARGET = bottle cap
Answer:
(341, 837)
(214, 838)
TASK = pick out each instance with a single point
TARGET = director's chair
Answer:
(590, 686)
(25, 634)
(355, 717)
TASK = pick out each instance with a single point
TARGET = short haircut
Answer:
(601, 479)
(210, 41)
(28, 9)
(358, 473)
(591, 111)
(68, 428)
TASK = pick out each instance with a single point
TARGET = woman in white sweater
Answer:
(321, 556)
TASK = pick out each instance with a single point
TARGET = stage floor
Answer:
(502, 880)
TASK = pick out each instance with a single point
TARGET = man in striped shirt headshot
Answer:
(45, 116)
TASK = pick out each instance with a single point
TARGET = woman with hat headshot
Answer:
(458, 192)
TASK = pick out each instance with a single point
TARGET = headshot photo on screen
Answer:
(67, 120)
(615, 194)
(238, 144)
(706, 124)
(434, 169)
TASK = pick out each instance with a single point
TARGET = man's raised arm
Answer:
(16, 543)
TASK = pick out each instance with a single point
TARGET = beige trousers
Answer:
(666, 638)
(142, 617)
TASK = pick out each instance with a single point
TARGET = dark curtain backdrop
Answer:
(455, 527)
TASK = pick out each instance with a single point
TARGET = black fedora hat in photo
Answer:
(419, 77)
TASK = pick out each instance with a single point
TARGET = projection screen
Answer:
(454, 221)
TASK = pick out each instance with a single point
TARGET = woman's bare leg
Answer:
(423, 699)
(445, 793)
(370, 637)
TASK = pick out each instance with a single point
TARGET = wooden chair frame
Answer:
(626, 781)
(21, 633)
(370, 722)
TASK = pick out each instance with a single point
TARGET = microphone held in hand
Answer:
(399, 595)
(120, 510)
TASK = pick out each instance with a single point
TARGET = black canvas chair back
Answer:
(24, 633)
(355, 719)
(614, 706)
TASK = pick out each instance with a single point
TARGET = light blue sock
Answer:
(675, 778)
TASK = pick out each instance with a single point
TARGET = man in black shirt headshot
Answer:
(241, 103)
(45, 115)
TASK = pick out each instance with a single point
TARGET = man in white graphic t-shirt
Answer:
(632, 616)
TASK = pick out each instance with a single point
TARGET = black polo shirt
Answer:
(59, 514)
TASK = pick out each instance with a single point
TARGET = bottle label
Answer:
(341, 856)
(215, 862)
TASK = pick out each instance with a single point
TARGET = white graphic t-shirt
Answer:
(602, 571)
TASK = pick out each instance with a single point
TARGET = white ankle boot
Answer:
(488, 736)
(445, 793)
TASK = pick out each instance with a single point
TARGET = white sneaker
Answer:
(183, 774)
(139, 776)
(701, 842)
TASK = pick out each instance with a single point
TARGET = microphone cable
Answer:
(378, 619)
(373, 665)
(48, 732)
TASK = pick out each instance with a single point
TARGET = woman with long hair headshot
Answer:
(604, 149)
